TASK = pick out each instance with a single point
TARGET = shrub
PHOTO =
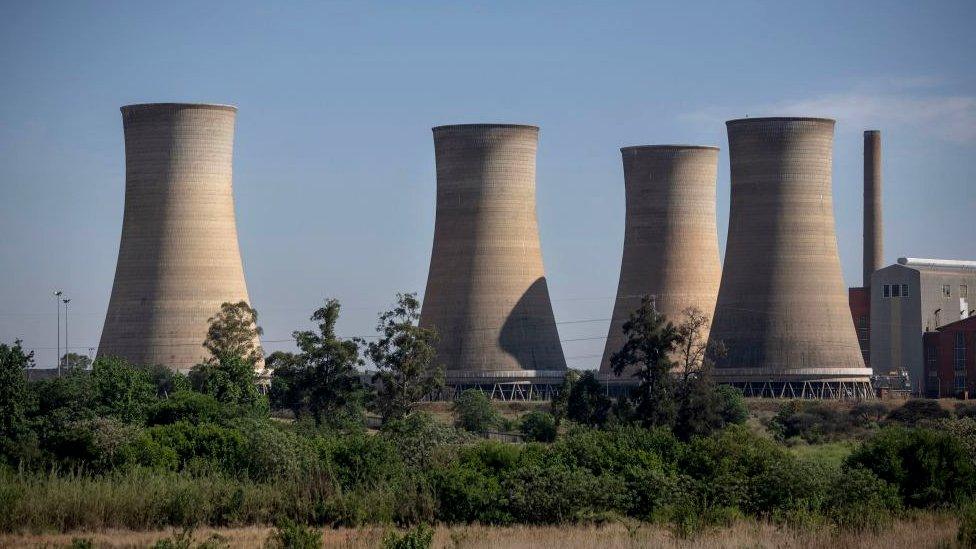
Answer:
(120, 390)
(813, 422)
(467, 494)
(732, 405)
(966, 411)
(916, 410)
(289, 535)
(418, 435)
(538, 426)
(966, 536)
(473, 412)
(189, 406)
(419, 537)
(559, 494)
(930, 468)
(859, 500)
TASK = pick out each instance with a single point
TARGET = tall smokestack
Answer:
(873, 231)
(178, 257)
(670, 238)
(486, 294)
(782, 310)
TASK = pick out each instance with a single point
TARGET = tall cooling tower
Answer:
(178, 257)
(486, 291)
(873, 229)
(670, 239)
(782, 308)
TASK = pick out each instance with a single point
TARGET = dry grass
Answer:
(924, 531)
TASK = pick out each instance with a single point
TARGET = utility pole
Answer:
(66, 351)
(57, 351)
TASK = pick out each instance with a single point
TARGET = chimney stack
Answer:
(873, 232)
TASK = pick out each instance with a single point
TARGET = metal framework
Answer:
(813, 390)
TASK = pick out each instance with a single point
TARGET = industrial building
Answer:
(670, 248)
(178, 256)
(782, 311)
(950, 359)
(486, 293)
(909, 298)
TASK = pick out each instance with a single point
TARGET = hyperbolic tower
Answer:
(782, 309)
(486, 291)
(670, 239)
(178, 258)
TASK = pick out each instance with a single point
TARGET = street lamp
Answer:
(66, 351)
(57, 351)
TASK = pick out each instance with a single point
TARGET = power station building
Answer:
(486, 292)
(910, 298)
(670, 241)
(178, 256)
(782, 310)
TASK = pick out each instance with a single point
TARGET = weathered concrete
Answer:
(670, 239)
(486, 292)
(782, 307)
(178, 257)
(873, 228)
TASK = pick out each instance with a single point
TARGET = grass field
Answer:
(925, 531)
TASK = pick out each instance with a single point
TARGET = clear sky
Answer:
(334, 165)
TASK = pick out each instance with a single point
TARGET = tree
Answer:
(651, 339)
(322, 379)
(588, 403)
(473, 412)
(700, 407)
(232, 380)
(560, 400)
(16, 398)
(538, 426)
(121, 391)
(233, 333)
(405, 358)
(71, 361)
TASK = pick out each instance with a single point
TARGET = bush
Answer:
(467, 494)
(418, 435)
(559, 494)
(917, 410)
(189, 406)
(420, 537)
(289, 535)
(859, 500)
(966, 411)
(732, 405)
(473, 412)
(538, 426)
(813, 422)
(966, 537)
(930, 468)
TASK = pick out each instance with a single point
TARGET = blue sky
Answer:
(334, 167)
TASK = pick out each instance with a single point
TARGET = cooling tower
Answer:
(782, 308)
(670, 239)
(486, 291)
(873, 231)
(178, 257)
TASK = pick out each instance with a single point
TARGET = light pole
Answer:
(57, 351)
(66, 351)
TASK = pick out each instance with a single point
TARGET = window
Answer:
(887, 290)
(947, 290)
(895, 290)
(960, 381)
(904, 290)
(963, 290)
(862, 323)
(959, 354)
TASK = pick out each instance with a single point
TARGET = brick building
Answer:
(859, 300)
(950, 359)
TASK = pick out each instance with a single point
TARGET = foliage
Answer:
(70, 361)
(419, 537)
(322, 378)
(966, 536)
(405, 358)
(233, 334)
(16, 399)
(538, 426)
(230, 380)
(646, 354)
(966, 411)
(121, 391)
(473, 412)
(290, 535)
(166, 381)
(189, 406)
(560, 401)
(587, 403)
(930, 468)
(917, 410)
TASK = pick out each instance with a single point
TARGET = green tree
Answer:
(588, 403)
(233, 333)
(322, 379)
(647, 353)
(120, 390)
(557, 406)
(538, 426)
(71, 361)
(473, 412)
(232, 380)
(16, 398)
(405, 358)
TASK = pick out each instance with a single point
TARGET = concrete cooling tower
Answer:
(178, 257)
(782, 308)
(670, 239)
(486, 291)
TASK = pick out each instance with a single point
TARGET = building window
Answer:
(960, 382)
(887, 290)
(947, 290)
(959, 354)
(963, 290)
(895, 290)
(862, 323)
(904, 290)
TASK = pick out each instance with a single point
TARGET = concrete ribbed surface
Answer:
(782, 303)
(178, 257)
(486, 290)
(670, 240)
